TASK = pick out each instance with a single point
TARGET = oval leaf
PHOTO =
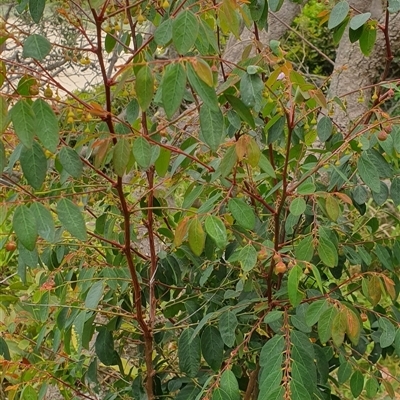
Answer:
(216, 229)
(184, 31)
(23, 120)
(212, 347)
(338, 14)
(196, 237)
(71, 162)
(72, 219)
(44, 221)
(242, 212)
(36, 46)
(212, 127)
(173, 88)
(46, 125)
(25, 227)
(142, 152)
(34, 165)
(298, 206)
(144, 87)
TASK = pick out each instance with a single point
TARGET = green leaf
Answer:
(34, 165)
(324, 129)
(298, 391)
(266, 166)
(228, 162)
(23, 120)
(327, 252)
(36, 47)
(339, 327)
(315, 310)
(104, 347)
(206, 93)
(332, 208)
(372, 387)
(132, 111)
(273, 316)
(344, 372)
(122, 151)
(393, 6)
(216, 229)
(338, 14)
(242, 212)
(212, 127)
(274, 347)
(144, 87)
(36, 8)
(304, 251)
(212, 347)
(163, 33)
(173, 88)
(29, 393)
(298, 206)
(189, 353)
(142, 152)
(248, 258)
(72, 219)
(357, 383)
(306, 188)
(275, 5)
(109, 43)
(44, 221)
(367, 39)
(162, 163)
(94, 295)
(241, 109)
(25, 227)
(196, 237)
(185, 28)
(295, 296)
(359, 20)
(227, 325)
(325, 324)
(229, 384)
(368, 173)
(388, 333)
(251, 87)
(4, 350)
(46, 125)
(395, 191)
(71, 162)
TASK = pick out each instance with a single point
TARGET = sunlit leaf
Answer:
(216, 229)
(184, 31)
(25, 227)
(72, 219)
(46, 125)
(34, 165)
(338, 14)
(242, 212)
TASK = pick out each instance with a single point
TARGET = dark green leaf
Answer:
(212, 127)
(388, 333)
(29, 393)
(298, 391)
(395, 191)
(243, 111)
(325, 324)
(367, 39)
(275, 5)
(251, 87)
(36, 8)
(189, 353)
(372, 387)
(94, 295)
(122, 152)
(212, 347)
(71, 218)
(144, 87)
(71, 162)
(206, 93)
(327, 252)
(3, 159)
(305, 249)
(4, 351)
(34, 165)
(228, 162)
(357, 383)
(142, 152)
(266, 166)
(324, 129)
(229, 384)
(227, 325)
(36, 46)
(173, 88)
(163, 33)
(23, 120)
(295, 296)
(46, 125)
(344, 372)
(132, 111)
(338, 14)
(104, 347)
(216, 229)
(242, 212)
(109, 43)
(273, 348)
(368, 172)
(25, 227)
(315, 310)
(184, 31)
(44, 221)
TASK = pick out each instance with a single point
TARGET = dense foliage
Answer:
(189, 228)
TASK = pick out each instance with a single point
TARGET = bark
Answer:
(353, 71)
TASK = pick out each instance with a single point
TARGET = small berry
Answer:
(363, 317)
(11, 246)
(280, 268)
(48, 93)
(382, 135)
